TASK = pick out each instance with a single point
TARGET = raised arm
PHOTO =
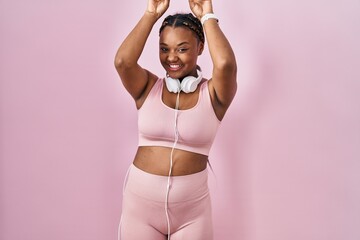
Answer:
(133, 76)
(223, 82)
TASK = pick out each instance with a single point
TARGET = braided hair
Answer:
(185, 20)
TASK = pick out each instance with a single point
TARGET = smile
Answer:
(174, 67)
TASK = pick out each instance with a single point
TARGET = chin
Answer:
(174, 75)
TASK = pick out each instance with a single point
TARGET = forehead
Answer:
(175, 35)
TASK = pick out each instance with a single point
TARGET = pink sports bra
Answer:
(197, 126)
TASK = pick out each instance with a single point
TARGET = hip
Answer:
(192, 187)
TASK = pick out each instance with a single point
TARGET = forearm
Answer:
(130, 50)
(221, 53)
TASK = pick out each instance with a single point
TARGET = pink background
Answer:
(287, 154)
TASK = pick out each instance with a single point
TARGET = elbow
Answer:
(120, 62)
(123, 61)
(228, 66)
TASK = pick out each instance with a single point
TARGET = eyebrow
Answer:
(182, 43)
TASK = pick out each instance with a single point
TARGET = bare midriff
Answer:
(156, 160)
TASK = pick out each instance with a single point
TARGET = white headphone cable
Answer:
(171, 164)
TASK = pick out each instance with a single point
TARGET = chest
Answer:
(186, 101)
(195, 120)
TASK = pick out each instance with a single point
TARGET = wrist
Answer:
(151, 15)
(207, 16)
(205, 13)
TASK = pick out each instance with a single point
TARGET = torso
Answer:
(156, 159)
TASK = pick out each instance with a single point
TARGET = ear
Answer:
(201, 48)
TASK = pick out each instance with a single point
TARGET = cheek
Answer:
(161, 57)
(162, 60)
(192, 57)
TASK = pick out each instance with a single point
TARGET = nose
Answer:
(172, 56)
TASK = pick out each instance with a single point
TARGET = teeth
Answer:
(174, 66)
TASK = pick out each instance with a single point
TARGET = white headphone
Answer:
(188, 84)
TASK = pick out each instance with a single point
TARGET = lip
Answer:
(174, 67)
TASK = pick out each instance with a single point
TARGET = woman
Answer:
(166, 192)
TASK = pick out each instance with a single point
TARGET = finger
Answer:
(191, 3)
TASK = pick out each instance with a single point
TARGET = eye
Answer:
(164, 49)
(182, 50)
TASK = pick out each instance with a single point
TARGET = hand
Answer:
(200, 7)
(157, 7)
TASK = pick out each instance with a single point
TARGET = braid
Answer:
(185, 20)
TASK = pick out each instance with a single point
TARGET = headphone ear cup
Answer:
(189, 84)
(173, 85)
(186, 84)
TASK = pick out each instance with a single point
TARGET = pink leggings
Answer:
(143, 211)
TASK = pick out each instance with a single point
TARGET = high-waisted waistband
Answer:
(153, 187)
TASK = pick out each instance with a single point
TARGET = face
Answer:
(179, 50)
